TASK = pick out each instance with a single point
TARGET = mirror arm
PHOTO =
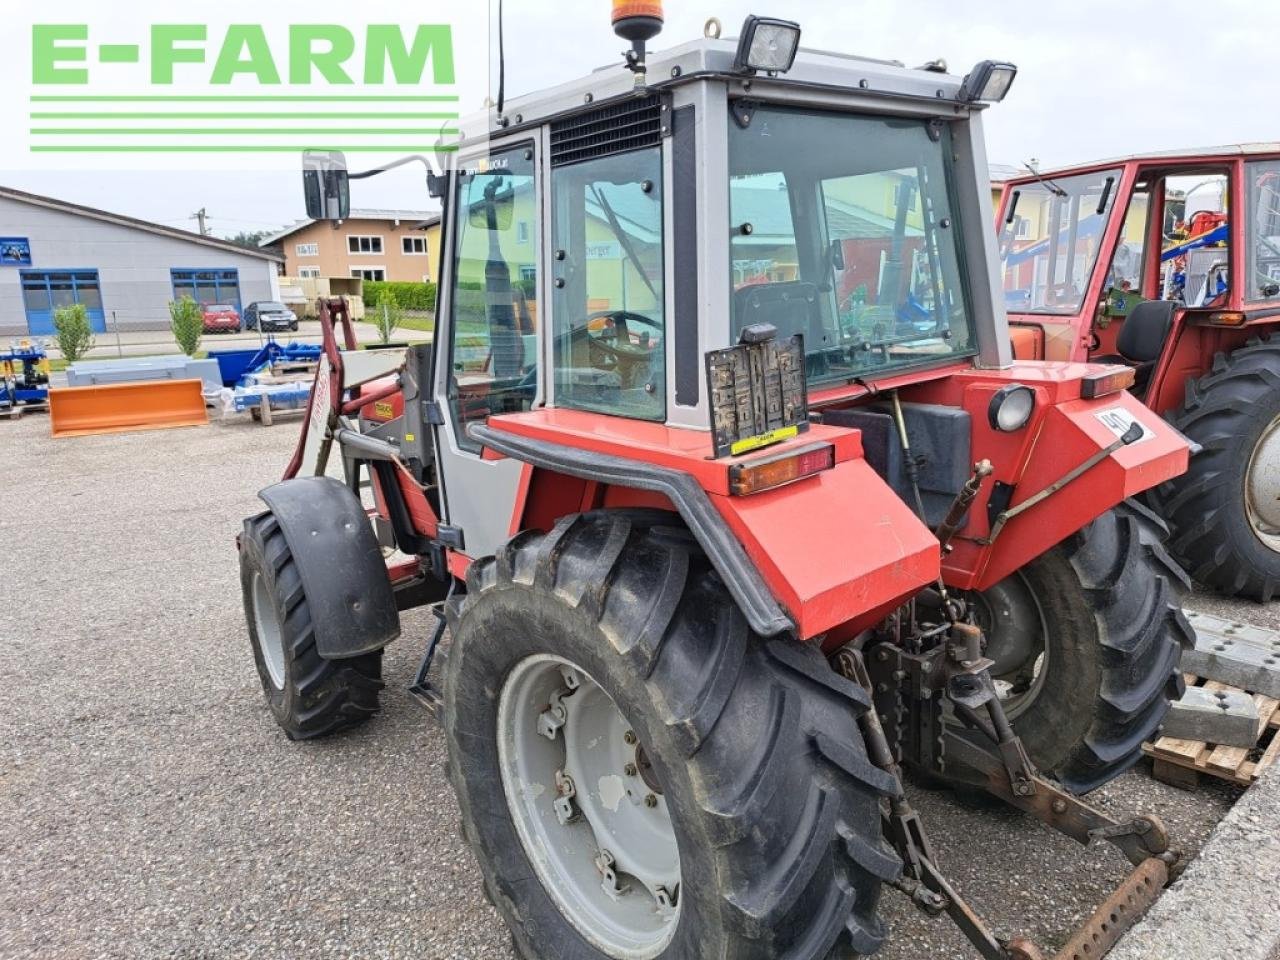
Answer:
(416, 157)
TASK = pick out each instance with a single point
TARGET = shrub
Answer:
(186, 320)
(408, 296)
(387, 315)
(73, 331)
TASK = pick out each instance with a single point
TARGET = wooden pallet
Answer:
(1181, 762)
(16, 410)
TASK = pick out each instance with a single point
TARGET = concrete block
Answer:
(1233, 630)
(1244, 657)
(1228, 718)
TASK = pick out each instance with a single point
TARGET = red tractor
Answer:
(1170, 264)
(730, 519)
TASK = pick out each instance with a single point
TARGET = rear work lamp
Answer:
(988, 82)
(1011, 408)
(769, 473)
(767, 45)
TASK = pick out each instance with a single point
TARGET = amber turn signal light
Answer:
(1229, 319)
(769, 473)
(1113, 380)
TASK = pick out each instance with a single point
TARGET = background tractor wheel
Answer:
(642, 777)
(308, 695)
(1225, 510)
(1087, 640)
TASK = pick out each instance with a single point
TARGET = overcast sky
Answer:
(1098, 78)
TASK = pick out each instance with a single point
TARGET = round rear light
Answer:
(1011, 408)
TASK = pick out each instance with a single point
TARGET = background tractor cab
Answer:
(720, 438)
(1170, 265)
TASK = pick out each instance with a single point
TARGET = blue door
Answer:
(44, 291)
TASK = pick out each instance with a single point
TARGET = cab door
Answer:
(487, 355)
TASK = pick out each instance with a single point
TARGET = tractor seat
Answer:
(1141, 339)
(790, 306)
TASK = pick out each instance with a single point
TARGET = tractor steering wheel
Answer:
(615, 348)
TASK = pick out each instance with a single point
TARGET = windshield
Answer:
(272, 308)
(1050, 236)
(843, 229)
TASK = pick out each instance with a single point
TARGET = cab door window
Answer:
(1263, 277)
(494, 331)
(610, 315)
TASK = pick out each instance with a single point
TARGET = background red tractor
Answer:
(731, 519)
(1170, 264)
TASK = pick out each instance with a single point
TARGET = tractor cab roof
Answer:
(882, 85)
(1185, 154)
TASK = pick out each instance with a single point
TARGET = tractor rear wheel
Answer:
(1225, 510)
(1087, 640)
(639, 775)
(308, 695)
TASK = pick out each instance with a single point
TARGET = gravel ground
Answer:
(149, 807)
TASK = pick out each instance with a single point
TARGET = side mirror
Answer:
(326, 184)
(497, 208)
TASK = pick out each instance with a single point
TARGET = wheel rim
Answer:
(588, 808)
(267, 626)
(1262, 487)
(1015, 628)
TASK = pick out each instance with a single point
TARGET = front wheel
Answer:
(640, 777)
(308, 695)
(1086, 641)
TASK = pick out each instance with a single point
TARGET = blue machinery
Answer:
(24, 377)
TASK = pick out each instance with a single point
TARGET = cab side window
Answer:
(1264, 230)
(610, 317)
(494, 330)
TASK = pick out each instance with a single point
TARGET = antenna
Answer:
(502, 64)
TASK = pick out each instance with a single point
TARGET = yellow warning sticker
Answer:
(765, 440)
(384, 410)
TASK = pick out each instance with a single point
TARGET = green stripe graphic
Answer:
(187, 148)
(230, 131)
(243, 99)
(264, 115)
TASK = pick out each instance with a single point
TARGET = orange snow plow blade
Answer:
(125, 407)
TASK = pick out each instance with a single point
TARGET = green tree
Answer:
(387, 315)
(186, 320)
(73, 331)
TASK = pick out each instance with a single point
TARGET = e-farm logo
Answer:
(244, 89)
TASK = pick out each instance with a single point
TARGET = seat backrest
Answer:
(791, 306)
(1144, 331)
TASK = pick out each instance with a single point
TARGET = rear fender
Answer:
(353, 609)
(836, 550)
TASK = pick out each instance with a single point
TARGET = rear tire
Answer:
(1233, 412)
(755, 744)
(308, 695)
(1111, 630)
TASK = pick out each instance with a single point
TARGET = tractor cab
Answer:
(1113, 262)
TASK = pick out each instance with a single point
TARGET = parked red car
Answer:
(221, 318)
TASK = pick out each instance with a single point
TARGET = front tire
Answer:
(753, 745)
(308, 695)
(1225, 511)
(1087, 640)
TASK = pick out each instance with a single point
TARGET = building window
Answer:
(360, 244)
(207, 286)
(307, 249)
(522, 231)
(309, 272)
(369, 273)
(414, 246)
